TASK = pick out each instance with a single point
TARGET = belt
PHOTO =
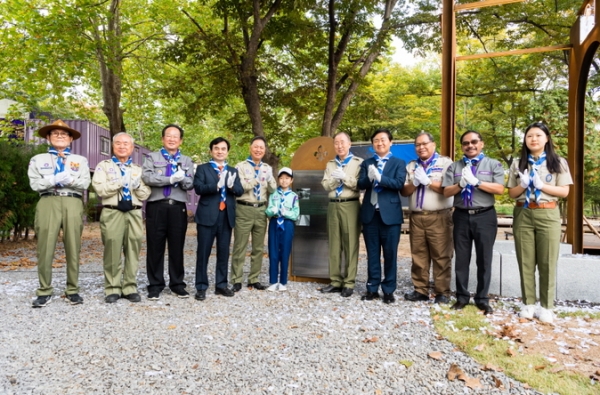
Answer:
(63, 194)
(343, 200)
(475, 211)
(116, 208)
(534, 205)
(257, 204)
(167, 201)
(425, 212)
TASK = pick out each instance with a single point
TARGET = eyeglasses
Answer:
(419, 145)
(467, 143)
(60, 134)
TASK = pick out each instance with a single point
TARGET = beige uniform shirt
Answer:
(350, 189)
(432, 201)
(107, 183)
(42, 166)
(249, 180)
(561, 179)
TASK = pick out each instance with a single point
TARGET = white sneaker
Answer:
(527, 311)
(546, 315)
(282, 287)
(273, 287)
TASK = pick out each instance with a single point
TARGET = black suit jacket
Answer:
(392, 181)
(205, 185)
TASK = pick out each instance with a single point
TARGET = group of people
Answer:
(451, 209)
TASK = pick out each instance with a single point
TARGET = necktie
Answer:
(535, 165)
(341, 165)
(124, 167)
(222, 204)
(467, 192)
(427, 166)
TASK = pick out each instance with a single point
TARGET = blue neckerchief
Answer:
(535, 165)
(467, 192)
(221, 173)
(341, 165)
(280, 218)
(380, 164)
(427, 166)
(170, 169)
(256, 176)
(123, 168)
(61, 159)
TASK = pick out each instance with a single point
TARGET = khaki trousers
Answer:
(249, 221)
(121, 233)
(537, 242)
(51, 214)
(343, 229)
(431, 244)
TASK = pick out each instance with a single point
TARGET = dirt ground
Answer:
(571, 343)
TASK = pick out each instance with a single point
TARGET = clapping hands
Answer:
(421, 177)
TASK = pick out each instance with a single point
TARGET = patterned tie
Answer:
(172, 160)
(124, 167)
(427, 166)
(341, 165)
(535, 165)
(467, 192)
(221, 173)
(61, 159)
(256, 176)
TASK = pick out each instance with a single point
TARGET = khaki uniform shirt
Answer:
(561, 179)
(107, 183)
(350, 190)
(248, 178)
(432, 201)
(42, 166)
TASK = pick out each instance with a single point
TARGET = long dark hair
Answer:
(552, 158)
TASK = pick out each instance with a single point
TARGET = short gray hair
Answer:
(123, 133)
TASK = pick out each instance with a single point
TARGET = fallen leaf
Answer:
(195, 366)
(480, 347)
(473, 383)
(493, 368)
(454, 372)
(172, 327)
(435, 317)
(373, 339)
(498, 382)
(406, 363)
(437, 355)
(510, 352)
(378, 392)
(463, 376)
(539, 367)
(293, 327)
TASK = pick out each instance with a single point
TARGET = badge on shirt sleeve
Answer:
(548, 177)
(74, 166)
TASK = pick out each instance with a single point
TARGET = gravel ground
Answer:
(258, 342)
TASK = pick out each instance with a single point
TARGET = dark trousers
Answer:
(379, 236)
(280, 248)
(479, 228)
(206, 237)
(165, 223)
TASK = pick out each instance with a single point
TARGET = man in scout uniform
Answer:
(60, 178)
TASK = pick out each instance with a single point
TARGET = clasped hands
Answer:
(420, 177)
(526, 180)
(468, 178)
(373, 173)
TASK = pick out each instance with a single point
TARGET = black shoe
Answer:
(74, 299)
(388, 298)
(200, 295)
(370, 296)
(133, 297)
(237, 287)
(347, 292)
(181, 293)
(42, 301)
(112, 298)
(441, 299)
(486, 308)
(154, 295)
(224, 291)
(415, 296)
(458, 305)
(257, 286)
(331, 289)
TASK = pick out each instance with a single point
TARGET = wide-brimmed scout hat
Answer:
(58, 124)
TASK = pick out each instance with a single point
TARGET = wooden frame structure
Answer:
(585, 40)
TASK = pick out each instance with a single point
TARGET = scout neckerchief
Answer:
(256, 168)
(280, 218)
(221, 172)
(467, 192)
(61, 159)
(341, 165)
(172, 160)
(124, 167)
(380, 164)
(535, 165)
(427, 166)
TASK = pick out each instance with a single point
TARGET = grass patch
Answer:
(469, 331)
(578, 313)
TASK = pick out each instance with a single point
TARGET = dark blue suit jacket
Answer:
(392, 181)
(205, 185)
